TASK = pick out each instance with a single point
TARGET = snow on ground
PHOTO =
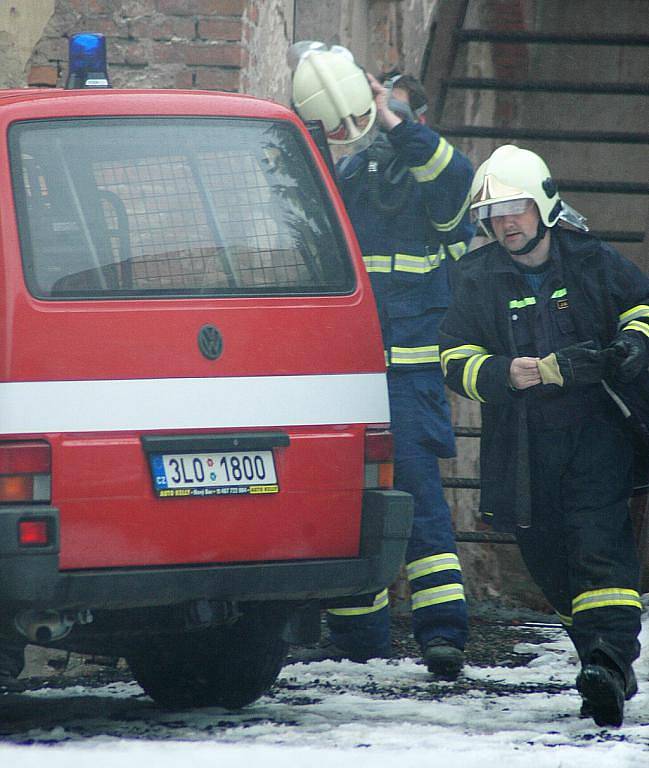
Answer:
(348, 715)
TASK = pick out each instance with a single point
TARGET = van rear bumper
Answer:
(31, 577)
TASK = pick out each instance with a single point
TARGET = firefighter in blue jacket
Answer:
(549, 331)
(406, 190)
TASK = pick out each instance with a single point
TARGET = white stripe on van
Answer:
(143, 404)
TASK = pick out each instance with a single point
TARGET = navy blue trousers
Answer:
(420, 422)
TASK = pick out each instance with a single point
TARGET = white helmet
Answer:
(508, 179)
(329, 86)
(506, 182)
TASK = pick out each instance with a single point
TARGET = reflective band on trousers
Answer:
(606, 598)
(447, 561)
(414, 355)
(431, 169)
(380, 601)
(565, 620)
(436, 595)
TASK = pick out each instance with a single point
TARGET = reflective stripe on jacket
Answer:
(407, 252)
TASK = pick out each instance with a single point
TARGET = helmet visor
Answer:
(352, 127)
(495, 198)
(489, 209)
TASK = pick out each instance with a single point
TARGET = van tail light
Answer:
(34, 533)
(25, 472)
(379, 458)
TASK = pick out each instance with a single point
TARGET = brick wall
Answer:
(382, 34)
(204, 44)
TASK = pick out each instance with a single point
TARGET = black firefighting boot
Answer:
(443, 659)
(604, 690)
(630, 691)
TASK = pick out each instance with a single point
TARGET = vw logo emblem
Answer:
(210, 342)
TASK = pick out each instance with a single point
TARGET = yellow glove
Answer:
(549, 370)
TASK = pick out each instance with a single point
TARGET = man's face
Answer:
(515, 231)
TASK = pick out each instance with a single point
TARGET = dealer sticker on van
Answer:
(213, 474)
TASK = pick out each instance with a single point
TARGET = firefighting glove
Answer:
(577, 365)
(628, 356)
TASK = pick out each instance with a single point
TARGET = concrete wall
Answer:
(336, 22)
(382, 34)
(268, 31)
(21, 25)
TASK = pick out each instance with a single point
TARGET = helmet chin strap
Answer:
(540, 234)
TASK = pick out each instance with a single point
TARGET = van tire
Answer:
(220, 667)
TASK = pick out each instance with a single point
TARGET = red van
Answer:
(194, 444)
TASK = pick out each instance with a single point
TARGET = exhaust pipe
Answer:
(50, 625)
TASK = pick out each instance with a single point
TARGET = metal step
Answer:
(539, 134)
(467, 431)
(548, 86)
(554, 38)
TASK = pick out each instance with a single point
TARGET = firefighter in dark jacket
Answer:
(406, 190)
(545, 324)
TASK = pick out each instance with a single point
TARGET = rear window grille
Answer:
(187, 207)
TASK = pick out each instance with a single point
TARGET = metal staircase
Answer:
(586, 144)
(446, 57)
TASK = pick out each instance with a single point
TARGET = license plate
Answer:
(213, 474)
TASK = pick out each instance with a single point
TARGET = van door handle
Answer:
(230, 441)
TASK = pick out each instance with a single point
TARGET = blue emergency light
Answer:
(87, 61)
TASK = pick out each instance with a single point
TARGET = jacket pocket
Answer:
(437, 430)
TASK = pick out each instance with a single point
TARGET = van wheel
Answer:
(223, 667)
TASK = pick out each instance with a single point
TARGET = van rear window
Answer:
(112, 207)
